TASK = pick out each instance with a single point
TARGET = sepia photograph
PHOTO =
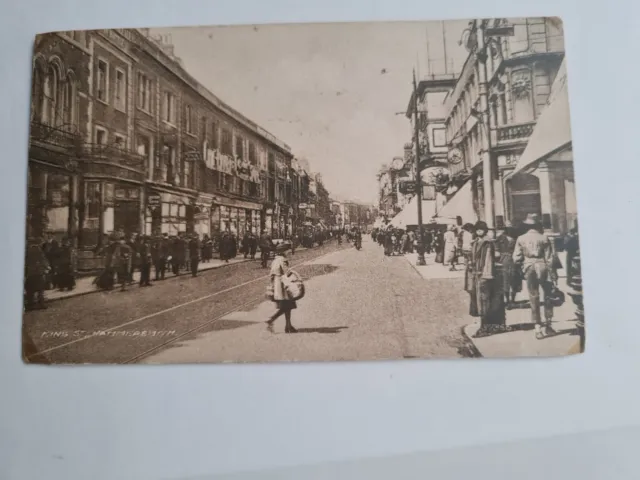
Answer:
(301, 192)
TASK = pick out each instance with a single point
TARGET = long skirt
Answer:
(487, 301)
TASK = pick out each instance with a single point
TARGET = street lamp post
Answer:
(421, 259)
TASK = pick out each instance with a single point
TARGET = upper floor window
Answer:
(69, 102)
(215, 127)
(103, 81)
(100, 136)
(50, 96)
(226, 142)
(121, 90)
(144, 92)
(169, 108)
(253, 157)
(119, 141)
(188, 119)
(239, 147)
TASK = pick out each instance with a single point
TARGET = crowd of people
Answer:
(495, 267)
(50, 264)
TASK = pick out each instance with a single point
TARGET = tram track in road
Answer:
(186, 318)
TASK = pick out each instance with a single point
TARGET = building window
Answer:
(121, 90)
(143, 148)
(186, 174)
(169, 108)
(144, 92)
(188, 119)
(168, 157)
(119, 141)
(239, 147)
(226, 142)
(100, 136)
(69, 102)
(50, 96)
(214, 134)
(439, 137)
(103, 81)
(253, 157)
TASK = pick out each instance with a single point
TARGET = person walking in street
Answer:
(279, 268)
(253, 245)
(194, 253)
(512, 282)
(450, 242)
(133, 242)
(159, 255)
(467, 239)
(572, 247)
(66, 266)
(145, 260)
(207, 249)
(266, 245)
(51, 250)
(36, 269)
(482, 282)
(244, 245)
(534, 252)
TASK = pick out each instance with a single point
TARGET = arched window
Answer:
(37, 92)
(69, 101)
(50, 96)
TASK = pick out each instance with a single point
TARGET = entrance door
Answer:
(524, 197)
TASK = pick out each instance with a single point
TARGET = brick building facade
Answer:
(124, 139)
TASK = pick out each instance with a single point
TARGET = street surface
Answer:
(359, 305)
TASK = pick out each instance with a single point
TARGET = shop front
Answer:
(52, 183)
(235, 216)
(170, 212)
(113, 199)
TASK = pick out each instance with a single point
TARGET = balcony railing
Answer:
(115, 154)
(512, 133)
(64, 136)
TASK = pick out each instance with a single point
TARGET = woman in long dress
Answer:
(450, 241)
(279, 268)
(483, 281)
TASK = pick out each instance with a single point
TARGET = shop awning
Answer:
(552, 132)
(460, 205)
(409, 214)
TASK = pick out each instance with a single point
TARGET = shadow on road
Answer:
(321, 330)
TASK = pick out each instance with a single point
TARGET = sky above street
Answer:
(330, 91)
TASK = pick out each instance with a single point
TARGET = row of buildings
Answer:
(122, 138)
(495, 138)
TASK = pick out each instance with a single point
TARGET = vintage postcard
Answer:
(312, 192)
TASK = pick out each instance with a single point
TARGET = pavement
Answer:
(359, 305)
(519, 339)
(85, 285)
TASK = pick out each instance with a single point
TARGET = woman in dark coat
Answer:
(484, 283)
(66, 266)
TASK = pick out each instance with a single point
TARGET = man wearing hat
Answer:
(36, 268)
(534, 252)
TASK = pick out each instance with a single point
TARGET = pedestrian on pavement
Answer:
(534, 252)
(512, 280)
(133, 243)
(572, 247)
(467, 239)
(66, 266)
(253, 245)
(123, 254)
(482, 281)
(244, 245)
(266, 245)
(145, 259)
(207, 249)
(279, 268)
(36, 269)
(194, 253)
(450, 241)
(51, 249)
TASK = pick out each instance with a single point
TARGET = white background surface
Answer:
(186, 422)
